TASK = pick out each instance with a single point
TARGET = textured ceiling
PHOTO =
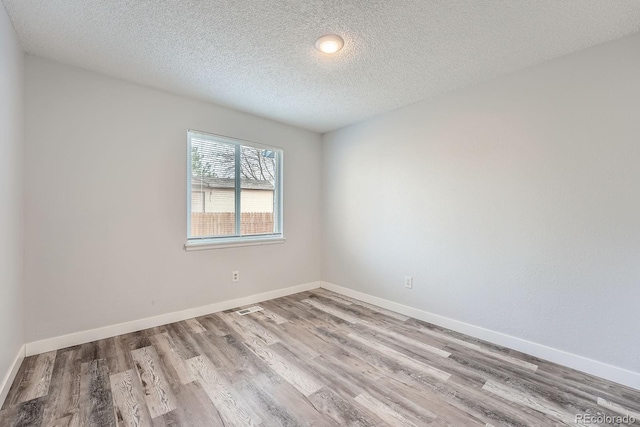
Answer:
(259, 56)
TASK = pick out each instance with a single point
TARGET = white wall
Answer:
(514, 204)
(11, 141)
(89, 263)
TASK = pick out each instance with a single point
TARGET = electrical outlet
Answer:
(408, 282)
(235, 276)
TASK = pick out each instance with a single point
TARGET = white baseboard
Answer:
(580, 363)
(11, 375)
(590, 366)
(82, 337)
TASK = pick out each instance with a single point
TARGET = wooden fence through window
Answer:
(223, 223)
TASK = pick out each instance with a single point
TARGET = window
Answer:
(234, 191)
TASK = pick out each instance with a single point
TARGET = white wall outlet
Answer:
(235, 276)
(408, 282)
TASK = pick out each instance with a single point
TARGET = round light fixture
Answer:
(330, 43)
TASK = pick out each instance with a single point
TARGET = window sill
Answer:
(200, 245)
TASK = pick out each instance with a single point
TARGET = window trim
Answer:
(236, 240)
(232, 243)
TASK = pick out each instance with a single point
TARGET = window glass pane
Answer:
(212, 188)
(258, 171)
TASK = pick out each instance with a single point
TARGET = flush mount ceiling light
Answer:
(330, 43)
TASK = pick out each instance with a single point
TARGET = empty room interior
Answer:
(319, 213)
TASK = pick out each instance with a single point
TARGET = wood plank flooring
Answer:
(311, 359)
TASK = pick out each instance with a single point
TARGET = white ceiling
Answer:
(259, 56)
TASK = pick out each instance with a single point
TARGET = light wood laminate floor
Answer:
(311, 359)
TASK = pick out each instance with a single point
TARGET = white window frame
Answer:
(218, 242)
